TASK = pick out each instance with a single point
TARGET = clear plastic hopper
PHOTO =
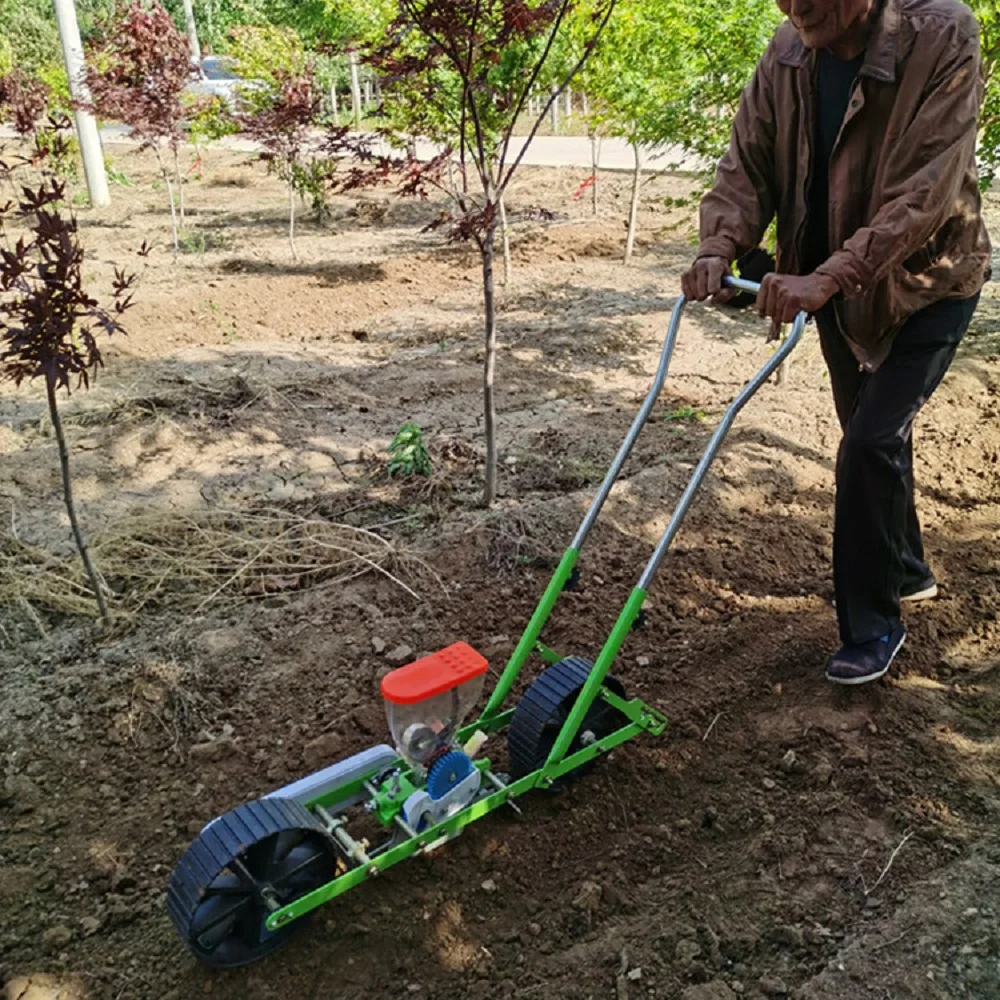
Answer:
(428, 700)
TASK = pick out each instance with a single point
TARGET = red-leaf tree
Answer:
(460, 72)
(282, 129)
(24, 100)
(136, 75)
(48, 320)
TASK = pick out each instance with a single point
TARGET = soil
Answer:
(782, 839)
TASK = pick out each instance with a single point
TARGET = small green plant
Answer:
(408, 454)
(685, 413)
(201, 240)
(116, 175)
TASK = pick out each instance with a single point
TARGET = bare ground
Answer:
(783, 838)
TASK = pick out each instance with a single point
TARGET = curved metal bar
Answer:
(633, 433)
(737, 284)
(717, 438)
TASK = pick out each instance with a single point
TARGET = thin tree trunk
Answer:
(595, 157)
(586, 104)
(569, 103)
(633, 213)
(192, 32)
(170, 194)
(781, 376)
(505, 240)
(291, 216)
(355, 88)
(554, 112)
(489, 366)
(180, 185)
(81, 542)
(334, 107)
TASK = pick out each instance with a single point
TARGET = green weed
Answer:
(407, 454)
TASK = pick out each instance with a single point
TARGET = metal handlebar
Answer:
(737, 284)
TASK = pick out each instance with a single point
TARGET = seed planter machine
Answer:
(243, 886)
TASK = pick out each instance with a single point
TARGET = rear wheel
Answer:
(544, 708)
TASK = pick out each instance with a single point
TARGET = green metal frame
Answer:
(641, 717)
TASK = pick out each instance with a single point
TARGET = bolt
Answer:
(373, 870)
(587, 737)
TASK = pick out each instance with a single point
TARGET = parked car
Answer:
(217, 77)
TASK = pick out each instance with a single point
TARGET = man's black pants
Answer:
(877, 548)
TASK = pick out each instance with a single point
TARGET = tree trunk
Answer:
(781, 376)
(505, 239)
(633, 213)
(595, 157)
(355, 88)
(334, 107)
(180, 185)
(192, 31)
(554, 111)
(489, 366)
(569, 103)
(81, 542)
(164, 173)
(291, 215)
(586, 104)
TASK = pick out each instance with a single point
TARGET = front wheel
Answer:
(262, 855)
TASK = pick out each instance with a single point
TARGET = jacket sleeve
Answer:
(735, 214)
(926, 170)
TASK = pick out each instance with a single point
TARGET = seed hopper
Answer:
(247, 881)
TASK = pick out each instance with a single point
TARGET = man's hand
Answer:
(703, 279)
(784, 296)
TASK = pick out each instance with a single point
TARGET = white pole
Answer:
(192, 32)
(86, 127)
(352, 58)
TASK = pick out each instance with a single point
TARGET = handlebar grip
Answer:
(739, 285)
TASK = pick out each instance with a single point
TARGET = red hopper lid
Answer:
(433, 674)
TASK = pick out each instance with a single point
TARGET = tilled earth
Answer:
(782, 838)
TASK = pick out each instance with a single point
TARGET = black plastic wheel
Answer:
(272, 849)
(544, 708)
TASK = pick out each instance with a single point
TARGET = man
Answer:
(858, 132)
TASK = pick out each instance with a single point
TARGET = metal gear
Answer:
(447, 772)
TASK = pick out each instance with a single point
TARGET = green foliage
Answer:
(668, 71)
(202, 240)
(264, 55)
(208, 119)
(311, 181)
(28, 28)
(116, 175)
(53, 75)
(989, 138)
(61, 150)
(687, 414)
(407, 453)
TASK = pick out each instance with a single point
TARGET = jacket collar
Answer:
(880, 54)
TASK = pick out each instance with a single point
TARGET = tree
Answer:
(48, 320)
(282, 128)
(989, 122)
(671, 73)
(137, 76)
(460, 72)
(637, 68)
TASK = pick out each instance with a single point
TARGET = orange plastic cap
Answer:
(433, 674)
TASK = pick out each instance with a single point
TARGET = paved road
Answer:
(543, 151)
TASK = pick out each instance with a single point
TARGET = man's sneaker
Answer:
(926, 590)
(867, 662)
(923, 591)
